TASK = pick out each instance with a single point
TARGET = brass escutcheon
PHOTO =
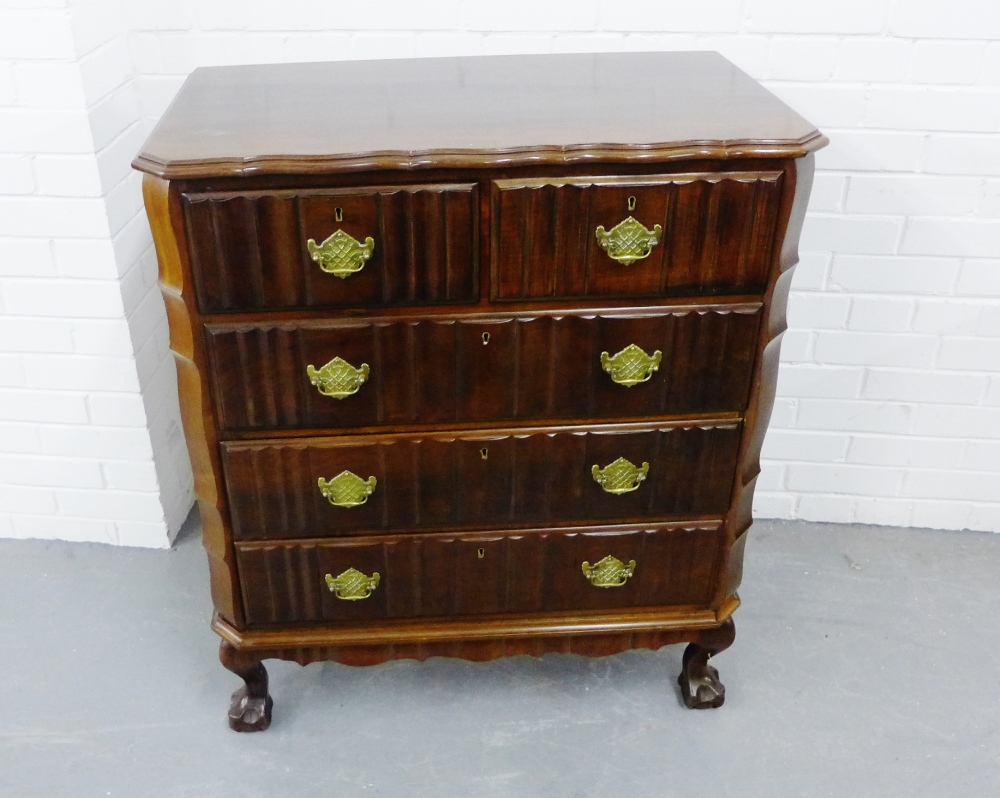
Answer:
(347, 489)
(629, 240)
(338, 378)
(352, 585)
(341, 254)
(631, 366)
(620, 476)
(609, 572)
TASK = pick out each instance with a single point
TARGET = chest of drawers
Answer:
(475, 356)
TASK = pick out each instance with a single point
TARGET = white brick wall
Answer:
(889, 397)
(81, 323)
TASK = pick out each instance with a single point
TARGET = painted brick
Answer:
(880, 314)
(105, 69)
(49, 84)
(812, 311)
(906, 451)
(8, 90)
(981, 455)
(990, 74)
(828, 192)
(35, 35)
(824, 104)
(137, 476)
(963, 155)
(820, 382)
(110, 504)
(838, 509)
(970, 354)
(979, 277)
(989, 321)
(872, 150)
(19, 438)
(960, 19)
(851, 234)
(649, 15)
(940, 514)
(933, 109)
(802, 58)
(990, 203)
(965, 237)
(773, 505)
(947, 62)
(856, 480)
(50, 472)
(113, 114)
(866, 273)
(523, 15)
(11, 371)
(15, 175)
(793, 444)
(958, 422)
(58, 407)
(940, 484)
(67, 175)
(993, 392)
(873, 60)
(87, 258)
(150, 536)
(21, 499)
(811, 271)
(95, 24)
(796, 346)
(913, 195)
(790, 16)
(784, 411)
(914, 386)
(117, 410)
(69, 298)
(25, 258)
(52, 216)
(102, 443)
(882, 511)
(942, 316)
(834, 415)
(51, 130)
(772, 476)
(875, 349)
(76, 372)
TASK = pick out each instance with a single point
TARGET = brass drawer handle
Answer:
(341, 254)
(629, 240)
(347, 489)
(338, 378)
(620, 476)
(609, 572)
(352, 585)
(631, 366)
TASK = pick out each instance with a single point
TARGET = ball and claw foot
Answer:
(699, 681)
(251, 705)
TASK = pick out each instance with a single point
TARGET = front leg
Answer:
(700, 685)
(251, 705)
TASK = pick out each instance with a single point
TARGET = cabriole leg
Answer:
(250, 709)
(700, 685)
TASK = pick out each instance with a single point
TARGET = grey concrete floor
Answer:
(865, 664)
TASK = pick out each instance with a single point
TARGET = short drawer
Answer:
(693, 233)
(373, 372)
(445, 576)
(488, 479)
(414, 244)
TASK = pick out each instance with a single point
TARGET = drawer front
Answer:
(702, 233)
(434, 370)
(481, 479)
(447, 576)
(250, 250)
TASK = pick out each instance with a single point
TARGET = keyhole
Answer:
(338, 214)
(481, 553)
(486, 338)
(631, 203)
(484, 453)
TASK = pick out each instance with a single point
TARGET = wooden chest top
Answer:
(444, 112)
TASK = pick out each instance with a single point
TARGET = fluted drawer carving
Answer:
(484, 479)
(453, 575)
(249, 249)
(430, 370)
(717, 231)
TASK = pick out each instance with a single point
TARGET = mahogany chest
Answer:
(476, 355)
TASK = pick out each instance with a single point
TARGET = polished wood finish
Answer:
(486, 479)
(452, 576)
(440, 369)
(718, 229)
(481, 315)
(249, 247)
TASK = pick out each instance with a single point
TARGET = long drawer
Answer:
(406, 576)
(447, 369)
(486, 479)
(380, 245)
(653, 235)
